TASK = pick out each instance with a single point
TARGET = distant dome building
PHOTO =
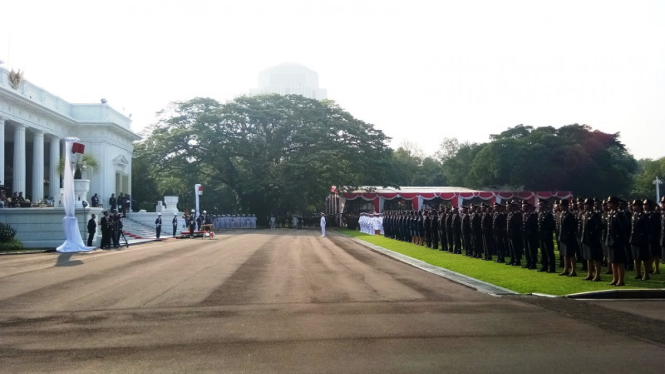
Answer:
(290, 79)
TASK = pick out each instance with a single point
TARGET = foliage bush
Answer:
(10, 245)
(7, 233)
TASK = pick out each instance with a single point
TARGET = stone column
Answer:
(37, 167)
(54, 176)
(2, 150)
(18, 184)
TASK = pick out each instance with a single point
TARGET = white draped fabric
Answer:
(73, 241)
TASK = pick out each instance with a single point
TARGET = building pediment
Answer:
(121, 163)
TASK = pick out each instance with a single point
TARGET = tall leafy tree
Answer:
(276, 154)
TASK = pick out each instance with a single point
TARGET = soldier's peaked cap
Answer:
(543, 201)
(649, 202)
(514, 202)
(565, 202)
(662, 200)
(589, 201)
(637, 203)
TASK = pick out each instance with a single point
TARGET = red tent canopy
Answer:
(457, 195)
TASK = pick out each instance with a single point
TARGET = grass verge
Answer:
(510, 277)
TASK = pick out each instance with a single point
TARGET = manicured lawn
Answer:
(510, 277)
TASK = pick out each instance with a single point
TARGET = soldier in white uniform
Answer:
(295, 222)
(253, 221)
(323, 225)
(272, 221)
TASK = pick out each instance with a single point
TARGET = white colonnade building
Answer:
(33, 125)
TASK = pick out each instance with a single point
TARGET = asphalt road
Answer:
(285, 301)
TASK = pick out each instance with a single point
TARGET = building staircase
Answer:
(137, 230)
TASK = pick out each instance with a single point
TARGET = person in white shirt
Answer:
(323, 225)
(295, 222)
(272, 222)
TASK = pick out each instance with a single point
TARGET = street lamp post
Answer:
(657, 183)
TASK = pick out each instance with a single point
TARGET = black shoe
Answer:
(551, 270)
(509, 263)
(533, 267)
(500, 261)
(518, 263)
(542, 270)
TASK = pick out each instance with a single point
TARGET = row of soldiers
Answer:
(111, 225)
(590, 231)
(231, 221)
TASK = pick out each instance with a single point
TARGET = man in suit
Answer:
(488, 236)
(92, 228)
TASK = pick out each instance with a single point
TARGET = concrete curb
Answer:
(655, 293)
(462, 279)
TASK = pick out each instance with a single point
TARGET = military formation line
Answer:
(594, 232)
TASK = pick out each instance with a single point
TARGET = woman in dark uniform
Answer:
(568, 239)
(616, 239)
(639, 240)
(592, 231)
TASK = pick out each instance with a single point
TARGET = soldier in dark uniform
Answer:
(434, 229)
(546, 228)
(499, 226)
(488, 235)
(106, 230)
(420, 227)
(457, 230)
(654, 235)
(556, 211)
(639, 240)
(530, 230)
(113, 204)
(449, 229)
(628, 217)
(476, 231)
(514, 234)
(616, 239)
(442, 229)
(427, 227)
(579, 211)
(466, 231)
(568, 239)
(592, 230)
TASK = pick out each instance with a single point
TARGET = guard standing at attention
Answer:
(499, 225)
(476, 231)
(592, 230)
(488, 236)
(514, 231)
(192, 223)
(158, 224)
(546, 227)
(568, 239)
(175, 223)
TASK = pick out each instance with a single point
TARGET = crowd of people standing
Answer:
(594, 232)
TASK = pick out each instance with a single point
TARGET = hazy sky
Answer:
(419, 70)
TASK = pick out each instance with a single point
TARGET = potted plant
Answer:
(87, 163)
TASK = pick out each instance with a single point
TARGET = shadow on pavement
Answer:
(64, 259)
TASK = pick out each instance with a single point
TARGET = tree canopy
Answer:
(265, 154)
(574, 157)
